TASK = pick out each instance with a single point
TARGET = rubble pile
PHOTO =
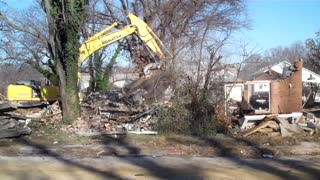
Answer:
(2, 97)
(114, 112)
(311, 123)
(12, 125)
(52, 112)
(282, 124)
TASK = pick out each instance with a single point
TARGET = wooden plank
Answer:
(17, 116)
(143, 132)
(249, 120)
(271, 124)
(311, 110)
(273, 134)
(2, 118)
(7, 125)
(266, 130)
(6, 107)
(15, 132)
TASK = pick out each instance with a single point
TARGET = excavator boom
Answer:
(136, 26)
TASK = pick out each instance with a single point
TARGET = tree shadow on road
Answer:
(133, 157)
(152, 166)
(45, 151)
(273, 167)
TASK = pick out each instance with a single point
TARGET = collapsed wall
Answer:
(283, 95)
(286, 94)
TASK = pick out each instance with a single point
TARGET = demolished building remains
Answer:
(252, 104)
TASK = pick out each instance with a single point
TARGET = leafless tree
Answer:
(290, 54)
(313, 53)
(24, 40)
(56, 28)
(272, 56)
(178, 23)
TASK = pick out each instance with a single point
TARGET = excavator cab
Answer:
(32, 91)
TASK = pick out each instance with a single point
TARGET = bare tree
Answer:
(21, 41)
(290, 54)
(272, 56)
(178, 23)
(65, 20)
(313, 52)
(60, 39)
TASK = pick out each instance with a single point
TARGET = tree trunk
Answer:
(65, 18)
(71, 58)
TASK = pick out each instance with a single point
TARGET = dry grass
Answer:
(171, 145)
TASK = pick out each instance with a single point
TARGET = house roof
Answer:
(278, 68)
(275, 67)
(267, 75)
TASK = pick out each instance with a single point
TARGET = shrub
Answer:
(174, 119)
(189, 116)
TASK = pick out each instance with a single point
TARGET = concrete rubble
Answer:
(11, 125)
(15, 118)
(113, 112)
(2, 97)
(130, 109)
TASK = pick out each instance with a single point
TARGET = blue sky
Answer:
(281, 22)
(274, 22)
(18, 4)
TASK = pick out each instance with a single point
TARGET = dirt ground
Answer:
(70, 145)
(53, 154)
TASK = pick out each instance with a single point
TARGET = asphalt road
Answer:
(110, 167)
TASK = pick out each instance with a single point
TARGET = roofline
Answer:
(310, 71)
(278, 64)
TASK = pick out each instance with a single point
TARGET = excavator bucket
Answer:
(147, 35)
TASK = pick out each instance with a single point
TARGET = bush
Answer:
(174, 120)
(188, 116)
(203, 119)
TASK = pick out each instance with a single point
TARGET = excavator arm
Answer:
(103, 38)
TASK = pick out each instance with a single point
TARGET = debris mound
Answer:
(115, 112)
(11, 125)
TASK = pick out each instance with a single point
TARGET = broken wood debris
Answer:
(6, 107)
(2, 97)
(115, 112)
(271, 126)
(280, 124)
(12, 126)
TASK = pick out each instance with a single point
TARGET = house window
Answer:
(260, 86)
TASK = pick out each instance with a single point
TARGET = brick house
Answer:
(270, 92)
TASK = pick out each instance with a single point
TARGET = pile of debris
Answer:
(280, 124)
(114, 112)
(51, 113)
(10, 124)
(2, 97)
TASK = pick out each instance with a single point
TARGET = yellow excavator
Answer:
(32, 91)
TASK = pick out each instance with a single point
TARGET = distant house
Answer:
(220, 71)
(120, 77)
(12, 73)
(273, 91)
(277, 71)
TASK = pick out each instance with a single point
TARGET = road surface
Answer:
(142, 167)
